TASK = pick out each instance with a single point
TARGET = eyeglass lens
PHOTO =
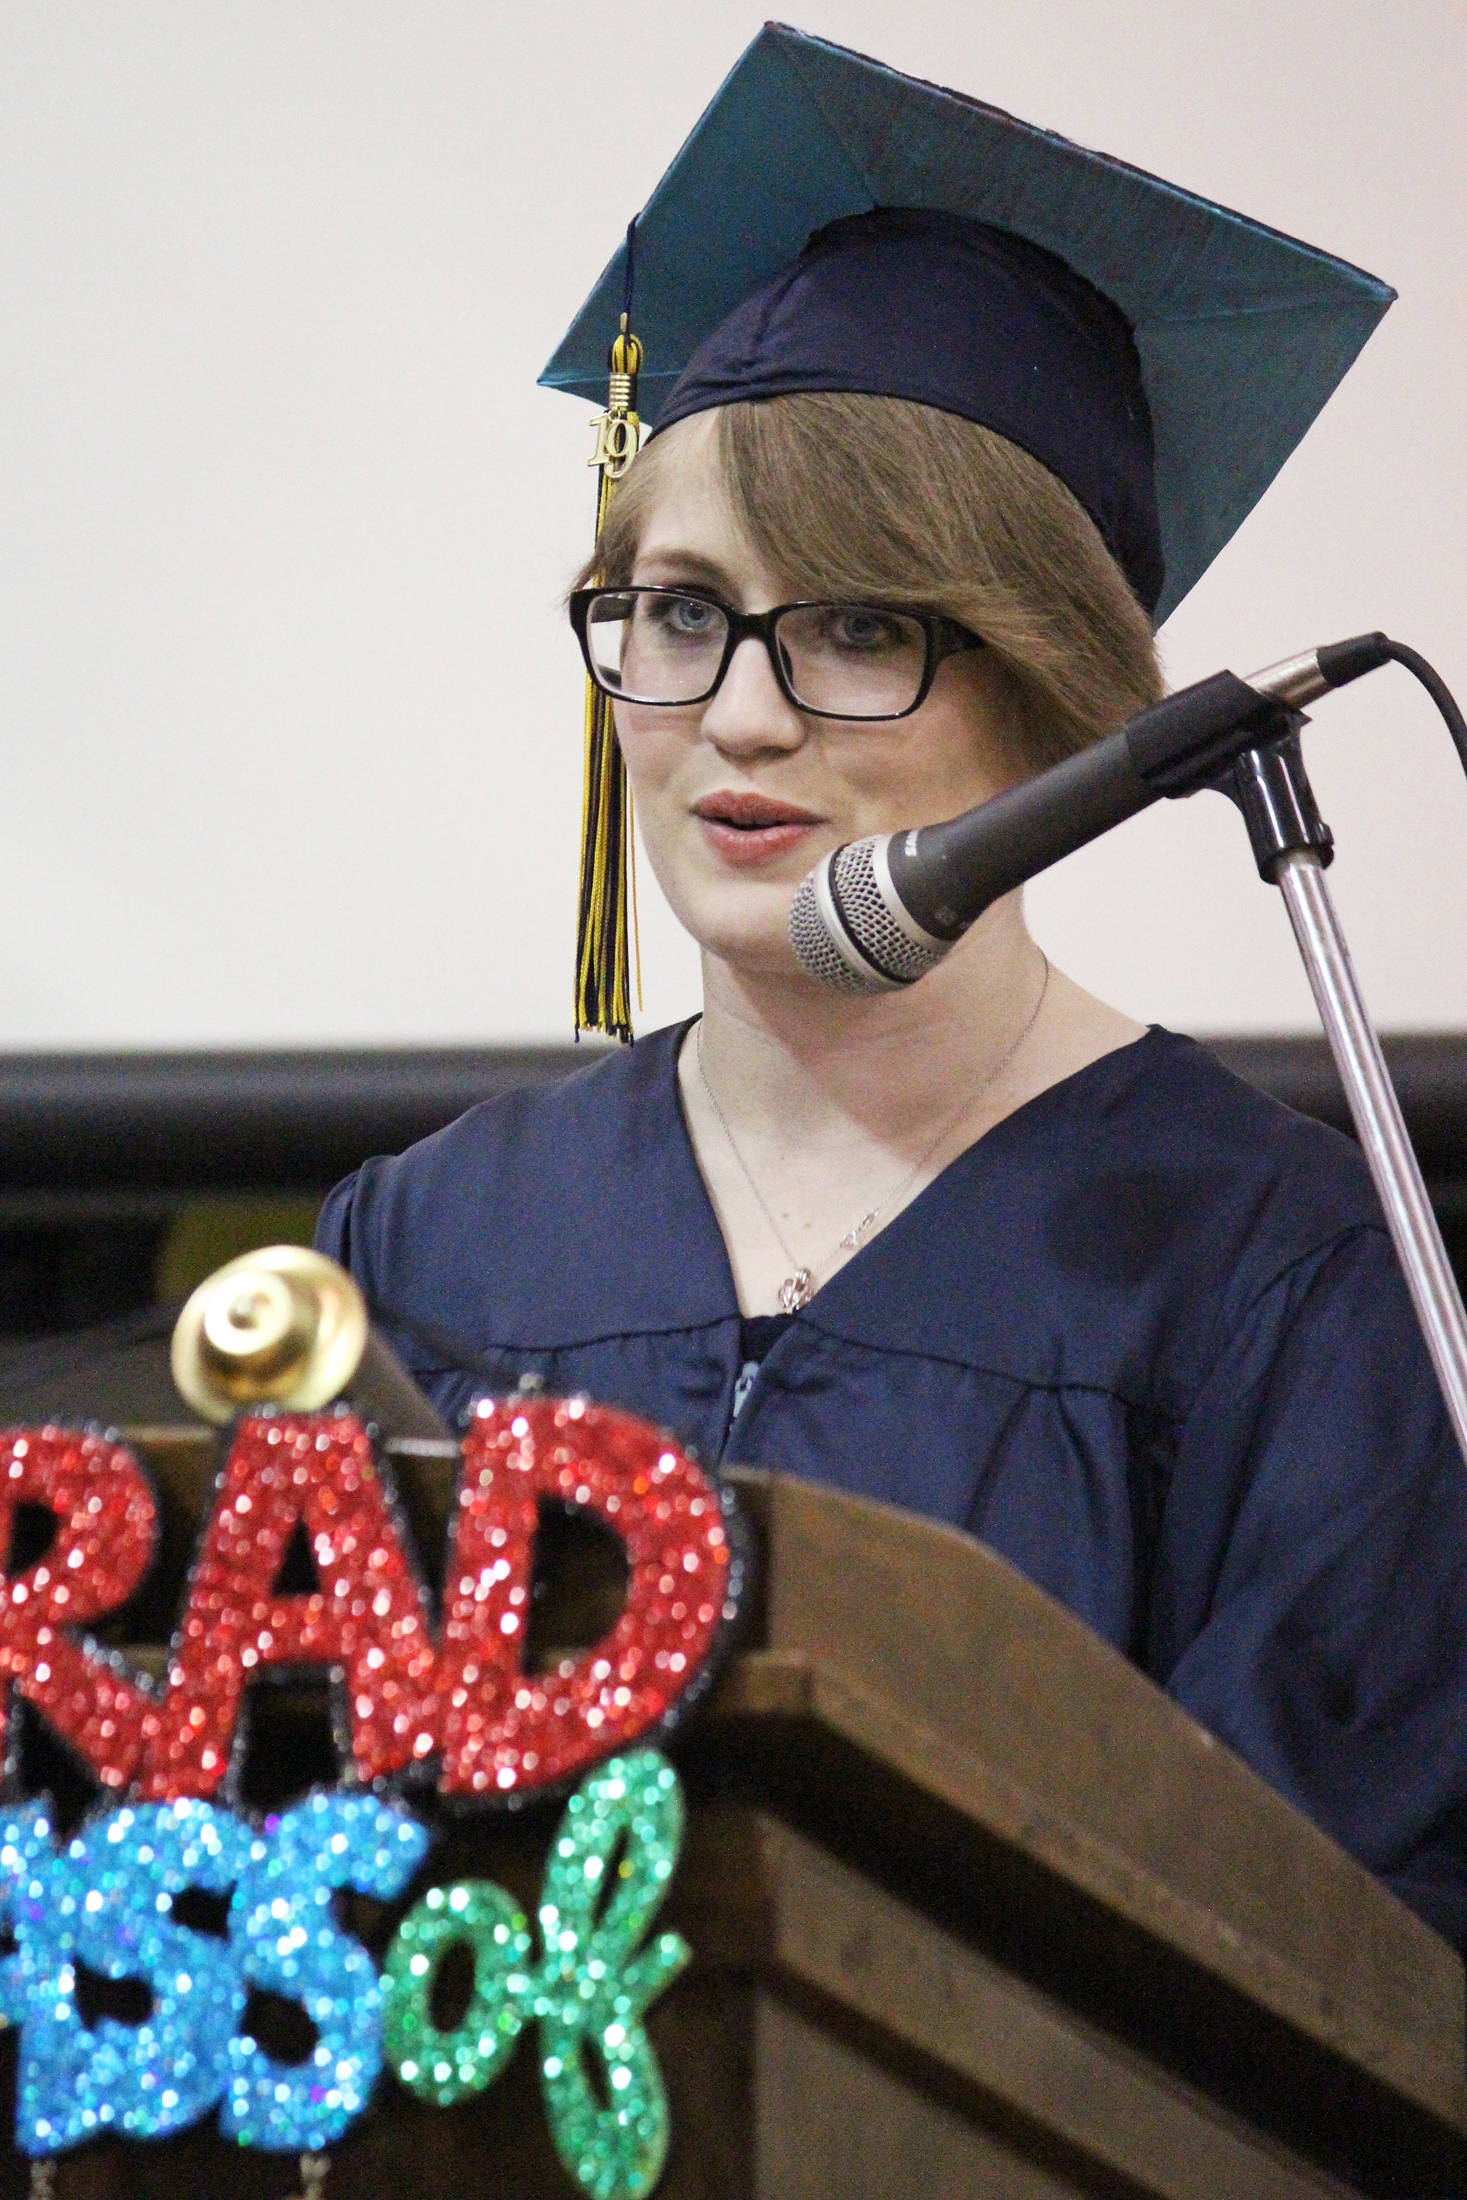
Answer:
(848, 660)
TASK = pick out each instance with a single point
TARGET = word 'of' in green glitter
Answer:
(591, 1988)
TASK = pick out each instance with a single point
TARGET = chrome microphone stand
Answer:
(1293, 846)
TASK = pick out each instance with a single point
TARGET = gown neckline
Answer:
(1061, 1093)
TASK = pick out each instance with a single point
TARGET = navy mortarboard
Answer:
(833, 225)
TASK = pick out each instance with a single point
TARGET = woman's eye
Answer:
(684, 618)
(864, 632)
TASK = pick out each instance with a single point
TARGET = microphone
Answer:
(879, 913)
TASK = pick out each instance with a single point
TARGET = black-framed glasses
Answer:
(672, 646)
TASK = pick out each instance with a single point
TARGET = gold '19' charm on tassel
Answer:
(618, 431)
(607, 913)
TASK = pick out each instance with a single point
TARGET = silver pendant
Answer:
(796, 1290)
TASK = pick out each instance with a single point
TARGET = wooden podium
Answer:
(975, 1910)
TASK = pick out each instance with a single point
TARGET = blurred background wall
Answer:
(290, 716)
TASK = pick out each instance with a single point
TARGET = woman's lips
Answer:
(749, 829)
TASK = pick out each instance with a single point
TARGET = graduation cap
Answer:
(833, 224)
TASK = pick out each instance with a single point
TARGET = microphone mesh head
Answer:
(817, 953)
(870, 923)
(868, 926)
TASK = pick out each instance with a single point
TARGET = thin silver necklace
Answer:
(801, 1284)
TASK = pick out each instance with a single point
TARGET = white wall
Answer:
(290, 720)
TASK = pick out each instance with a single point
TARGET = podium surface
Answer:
(974, 1908)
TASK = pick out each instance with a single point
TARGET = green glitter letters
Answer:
(597, 1976)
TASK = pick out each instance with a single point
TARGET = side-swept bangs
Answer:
(879, 499)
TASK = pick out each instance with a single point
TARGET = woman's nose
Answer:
(751, 711)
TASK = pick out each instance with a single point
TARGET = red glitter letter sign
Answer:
(497, 1731)
(103, 1542)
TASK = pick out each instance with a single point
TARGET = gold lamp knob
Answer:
(283, 1326)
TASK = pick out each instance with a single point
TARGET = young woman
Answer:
(984, 1247)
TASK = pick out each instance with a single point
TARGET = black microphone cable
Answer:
(1401, 653)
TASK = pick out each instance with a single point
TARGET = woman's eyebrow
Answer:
(687, 565)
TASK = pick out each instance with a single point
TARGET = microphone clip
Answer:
(1189, 740)
(1271, 789)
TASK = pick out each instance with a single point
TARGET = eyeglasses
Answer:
(671, 647)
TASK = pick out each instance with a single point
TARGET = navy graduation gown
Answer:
(1147, 1338)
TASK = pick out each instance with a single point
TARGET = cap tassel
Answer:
(607, 915)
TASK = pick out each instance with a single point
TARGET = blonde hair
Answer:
(880, 499)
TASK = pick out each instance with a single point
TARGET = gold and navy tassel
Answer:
(607, 916)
